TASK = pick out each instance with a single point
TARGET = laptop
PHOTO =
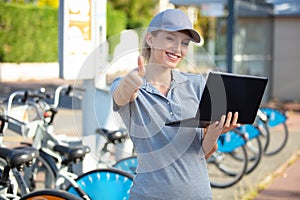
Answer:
(225, 92)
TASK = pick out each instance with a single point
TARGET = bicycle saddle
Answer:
(18, 157)
(116, 136)
(72, 154)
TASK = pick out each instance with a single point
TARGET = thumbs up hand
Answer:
(130, 84)
(134, 78)
(141, 67)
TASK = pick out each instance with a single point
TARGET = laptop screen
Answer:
(226, 92)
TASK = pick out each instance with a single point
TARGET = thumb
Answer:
(141, 67)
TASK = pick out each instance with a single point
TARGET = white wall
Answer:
(286, 71)
(12, 72)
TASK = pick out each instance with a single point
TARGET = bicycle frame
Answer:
(43, 137)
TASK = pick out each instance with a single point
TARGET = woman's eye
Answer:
(185, 43)
(169, 38)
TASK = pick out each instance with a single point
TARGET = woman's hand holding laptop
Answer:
(215, 129)
(224, 125)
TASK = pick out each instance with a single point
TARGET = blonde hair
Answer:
(145, 48)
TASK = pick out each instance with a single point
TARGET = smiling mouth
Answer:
(173, 56)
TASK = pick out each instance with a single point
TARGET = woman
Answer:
(171, 160)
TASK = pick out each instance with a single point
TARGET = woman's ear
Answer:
(149, 39)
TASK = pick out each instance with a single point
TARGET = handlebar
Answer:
(11, 98)
(45, 110)
(16, 125)
(58, 92)
(68, 90)
(262, 116)
(29, 94)
(25, 95)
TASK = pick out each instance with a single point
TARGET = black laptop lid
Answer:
(226, 92)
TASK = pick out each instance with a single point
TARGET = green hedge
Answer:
(28, 33)
(116, 22)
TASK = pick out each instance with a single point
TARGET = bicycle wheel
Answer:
(49, 194)
(104, 184)
(277, 129)
(264, 136)
(224, 168)
(253, 146)
(42, 173)
(127, 164)
(254, 153)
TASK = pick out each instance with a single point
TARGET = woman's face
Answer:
(168, 48)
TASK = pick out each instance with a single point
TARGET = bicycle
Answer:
(223, 166)
(104, 184)
(56, 158)
(274, 130)
(17, 160)
(253, 145)
(107, 157)
(12, 185)
(258, 142)
(62, 178)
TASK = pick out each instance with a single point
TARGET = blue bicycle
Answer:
(273, 128)
(104, 184)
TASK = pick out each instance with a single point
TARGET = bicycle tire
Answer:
(277, 129)
(253, 145)
(104, 184)
(282, 134)
(50, 194)
(225, 170)
(254, 154)
(128, 164)
(264, 135)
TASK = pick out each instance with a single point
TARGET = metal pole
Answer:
(230, 34)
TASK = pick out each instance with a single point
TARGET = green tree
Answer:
(138, 12)
(41, 3)
(116, 20)
(28, 33)
(116, 23)
(50, 3)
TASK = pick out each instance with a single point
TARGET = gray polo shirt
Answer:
(171, 163)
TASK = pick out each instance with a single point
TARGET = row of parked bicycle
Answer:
(46, 165)
(241, 150)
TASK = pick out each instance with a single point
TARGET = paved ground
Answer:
(278, 175)
(286, 184)
(269, 167)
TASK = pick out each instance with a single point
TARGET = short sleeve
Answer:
(113, 87)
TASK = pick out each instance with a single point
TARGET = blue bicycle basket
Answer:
(104, 184)
(229, 141)
(249, 130)
(127, 164)
(275, 117)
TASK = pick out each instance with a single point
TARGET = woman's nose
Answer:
(177, 46)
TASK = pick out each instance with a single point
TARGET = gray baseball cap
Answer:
(173, 20)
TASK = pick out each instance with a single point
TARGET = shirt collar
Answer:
(178, 78)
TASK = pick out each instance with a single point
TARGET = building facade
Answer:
(264, 37)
